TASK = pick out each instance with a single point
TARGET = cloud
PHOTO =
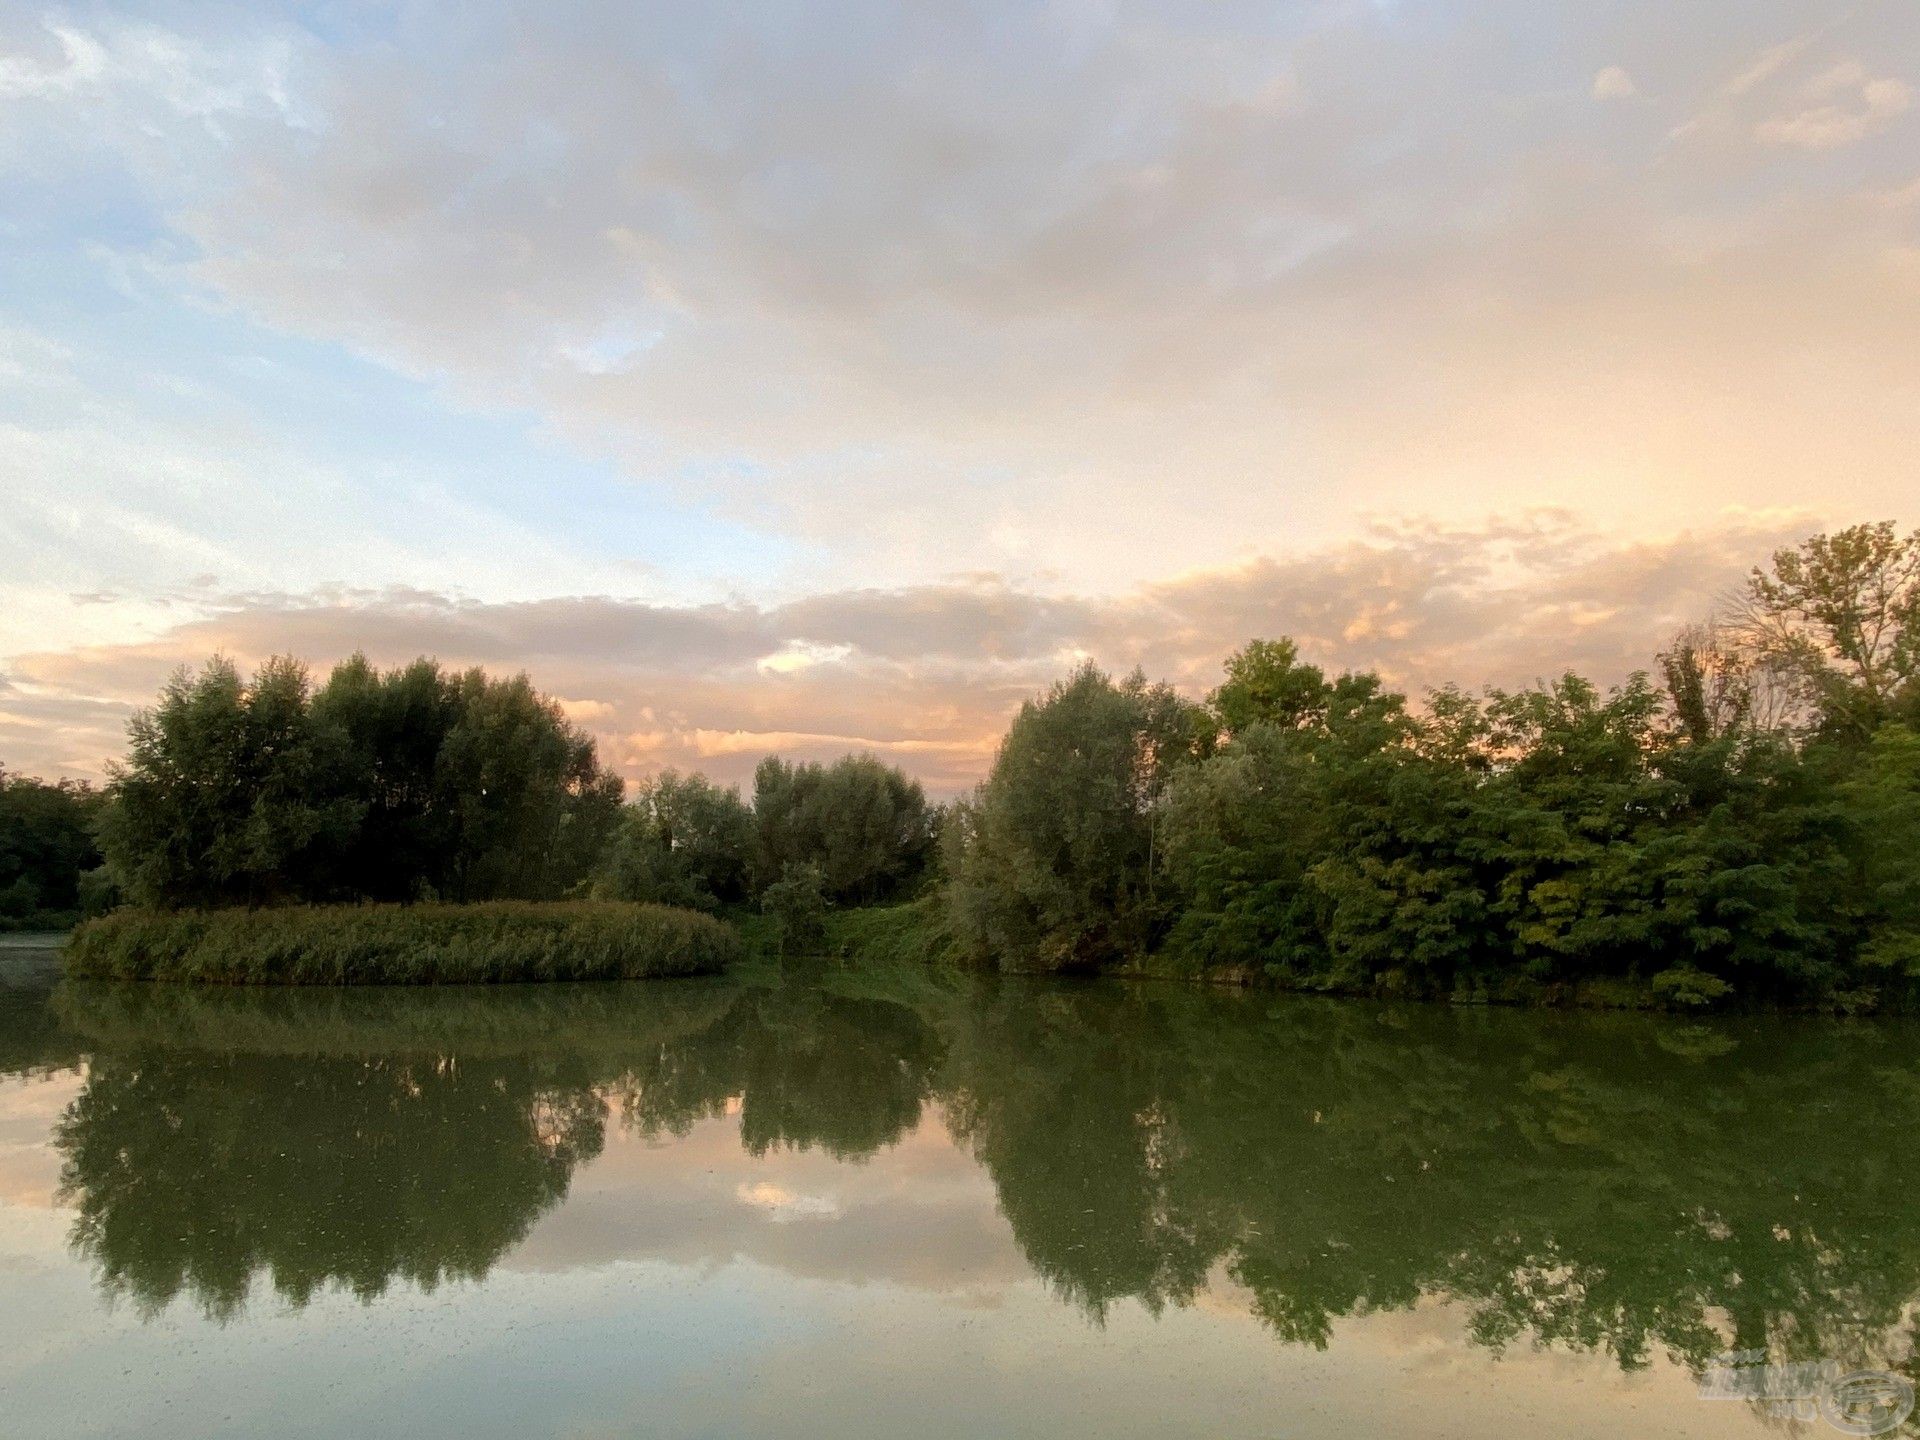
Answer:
(1613, 83)
(1841, 106)
(928, 676)
(1079, 289)
(884, 360)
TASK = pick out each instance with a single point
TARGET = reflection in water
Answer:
(1618, 1184)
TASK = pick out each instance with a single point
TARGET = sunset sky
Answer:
(826, 376)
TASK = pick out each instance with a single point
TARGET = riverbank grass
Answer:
(427, 944)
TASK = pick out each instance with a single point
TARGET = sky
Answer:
(805, 378)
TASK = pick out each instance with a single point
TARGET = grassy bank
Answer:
(912, 932)
(919, 934)
(403, 944)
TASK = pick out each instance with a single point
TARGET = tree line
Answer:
(1747, 825)
(423, 783)
(1741, 820)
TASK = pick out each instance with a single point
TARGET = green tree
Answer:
(224, 797)
(1268, 684)
(532, 810)
(1055, 855)
(1841, 614)
(46, 848)
(400, 786)
(1318, 843)
(1883, 799)
(683, 840)
(797, 903)
(864, 824)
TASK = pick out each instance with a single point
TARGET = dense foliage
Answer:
(47, 852)
(413, 784)
(862, 830)
(865, 825)
(683, 840)
(403, 944)
(1750, 830)
(1746, 827)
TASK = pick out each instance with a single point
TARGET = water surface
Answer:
(840, 1204)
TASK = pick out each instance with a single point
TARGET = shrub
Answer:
(403, 944)
(797, 905)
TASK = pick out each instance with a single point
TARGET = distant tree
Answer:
(864, 824)
(47, 848)
(683, 840)
(1056, 852)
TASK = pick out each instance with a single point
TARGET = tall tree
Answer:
(393, 786)
(1056, 852)
(223, 798)
(1841, 614)
(864, 824)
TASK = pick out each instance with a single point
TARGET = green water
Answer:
(846, 1205)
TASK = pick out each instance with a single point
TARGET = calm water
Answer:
(855, 1206)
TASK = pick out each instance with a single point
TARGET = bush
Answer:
(403, 944)
(797, 905)
(919, 932)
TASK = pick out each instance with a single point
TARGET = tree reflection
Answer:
(1620, 1184)
(189, 1179)
(351, 1138)
(1605, 1183)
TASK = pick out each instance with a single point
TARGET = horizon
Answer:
(769, 379)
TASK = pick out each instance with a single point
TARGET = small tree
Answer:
(797, 903)
(683, 841)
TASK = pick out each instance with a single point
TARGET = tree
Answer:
(387, 731)
(1711, 684)
(1317, 843)
(683, 840)
(1056, 852)
(532, 810)
(46, 849)
(1268, 684)
(864, 824)
(399, 786)
(1841, 614)
(223, 798)
(1883, 799)
(797, 903)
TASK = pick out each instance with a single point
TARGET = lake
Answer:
(846, 1204)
